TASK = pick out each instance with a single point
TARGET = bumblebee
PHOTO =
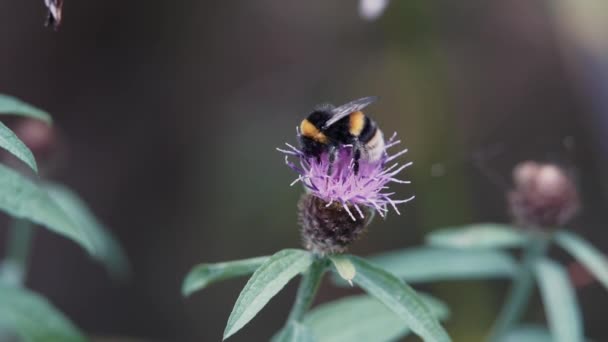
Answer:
(327, 128)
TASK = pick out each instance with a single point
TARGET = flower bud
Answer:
(44, 141)
(38, 136)
(544, 196)
(328, 228)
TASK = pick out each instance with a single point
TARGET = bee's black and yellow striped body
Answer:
(323, 132)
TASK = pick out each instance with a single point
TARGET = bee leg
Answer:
(332, 158)
(356, 156)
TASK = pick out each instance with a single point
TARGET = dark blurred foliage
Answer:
(170, 112)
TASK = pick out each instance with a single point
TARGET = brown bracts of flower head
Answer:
(55, 8)
(329, 229)
(544, 196)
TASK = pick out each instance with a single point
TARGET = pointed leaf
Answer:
(12, 105)
(265, 283)
(33, 318)
(425, 264)
(107, 249)
(400, 298)
(484, 235)
(21, 198)
(344, 267)
(586, 254)
(10, 142)
(363, 318)
(559, 299)
(295, 332)
(204, 275)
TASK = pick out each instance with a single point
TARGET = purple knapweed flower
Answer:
(338, 206)
(368, 187)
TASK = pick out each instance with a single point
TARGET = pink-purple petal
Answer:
(366, 188)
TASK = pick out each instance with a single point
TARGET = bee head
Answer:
(311, 127)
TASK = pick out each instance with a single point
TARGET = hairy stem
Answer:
(520, 291)
(308, 289)
(14, 266)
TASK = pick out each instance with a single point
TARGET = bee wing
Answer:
(351, 107)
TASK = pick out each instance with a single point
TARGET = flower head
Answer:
(544, 196)
(366, 188)
(339, 201)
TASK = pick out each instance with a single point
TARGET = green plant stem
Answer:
(521, 290)
(14, 267)
(308, 289)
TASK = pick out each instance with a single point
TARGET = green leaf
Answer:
(483, 235)
(10, 142)
(265, 283)
(425, 264)
(33, 318)
(295, 332)
(400, 298)
(586, 254)
(528, 333)
(13, 269)
(204, 275)
(521, 289)
(106, 248)
(12, 105)
(363, 318)
(21, 198)
(559, 299)
(344, 267)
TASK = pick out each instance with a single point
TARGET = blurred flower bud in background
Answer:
(544, 196)
(43, 140)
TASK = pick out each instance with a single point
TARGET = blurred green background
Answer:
(170, 112)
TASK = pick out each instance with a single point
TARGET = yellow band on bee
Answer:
(309, 130)
(357, 121)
